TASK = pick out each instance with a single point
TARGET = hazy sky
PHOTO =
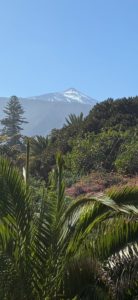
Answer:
(51, 45)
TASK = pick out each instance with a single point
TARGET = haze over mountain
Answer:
(48, 111)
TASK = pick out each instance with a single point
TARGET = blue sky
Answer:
(51, 45)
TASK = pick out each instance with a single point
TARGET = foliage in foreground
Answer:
(35, 248)
(66, 252)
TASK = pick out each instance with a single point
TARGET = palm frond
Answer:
(124, 195)
(16, 229)
(83, 279)
(122, 272)
(114, 236)
(73, 119)
(14, 201)
(39, 145)
(27, 162)
(106, 204)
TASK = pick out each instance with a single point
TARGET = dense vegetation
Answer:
(69, 206)
(107, 137)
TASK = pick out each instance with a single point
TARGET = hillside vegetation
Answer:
(106, 138)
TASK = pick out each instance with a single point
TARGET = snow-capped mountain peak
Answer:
(70, 95)
(71, 90)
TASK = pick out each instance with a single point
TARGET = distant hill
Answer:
(48, 111)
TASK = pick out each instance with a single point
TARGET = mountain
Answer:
(48, 111)
(71, 95)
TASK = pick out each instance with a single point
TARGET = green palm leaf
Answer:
(125, 195)
(39, 145)
(74, 120)
(83, 279)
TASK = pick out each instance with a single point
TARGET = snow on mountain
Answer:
(70, 95)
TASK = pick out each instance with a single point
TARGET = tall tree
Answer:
(13, 121)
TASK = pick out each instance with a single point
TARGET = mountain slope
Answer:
(44, 114)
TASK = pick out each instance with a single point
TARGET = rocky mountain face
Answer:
(48, 111)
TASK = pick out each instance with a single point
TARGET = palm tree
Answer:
(39, 252)
(106, 264)
(84, 278)
(115, 244)
(38, 145)
(35, 249)
(74, 120)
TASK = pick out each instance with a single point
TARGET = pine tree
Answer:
(12, 123)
